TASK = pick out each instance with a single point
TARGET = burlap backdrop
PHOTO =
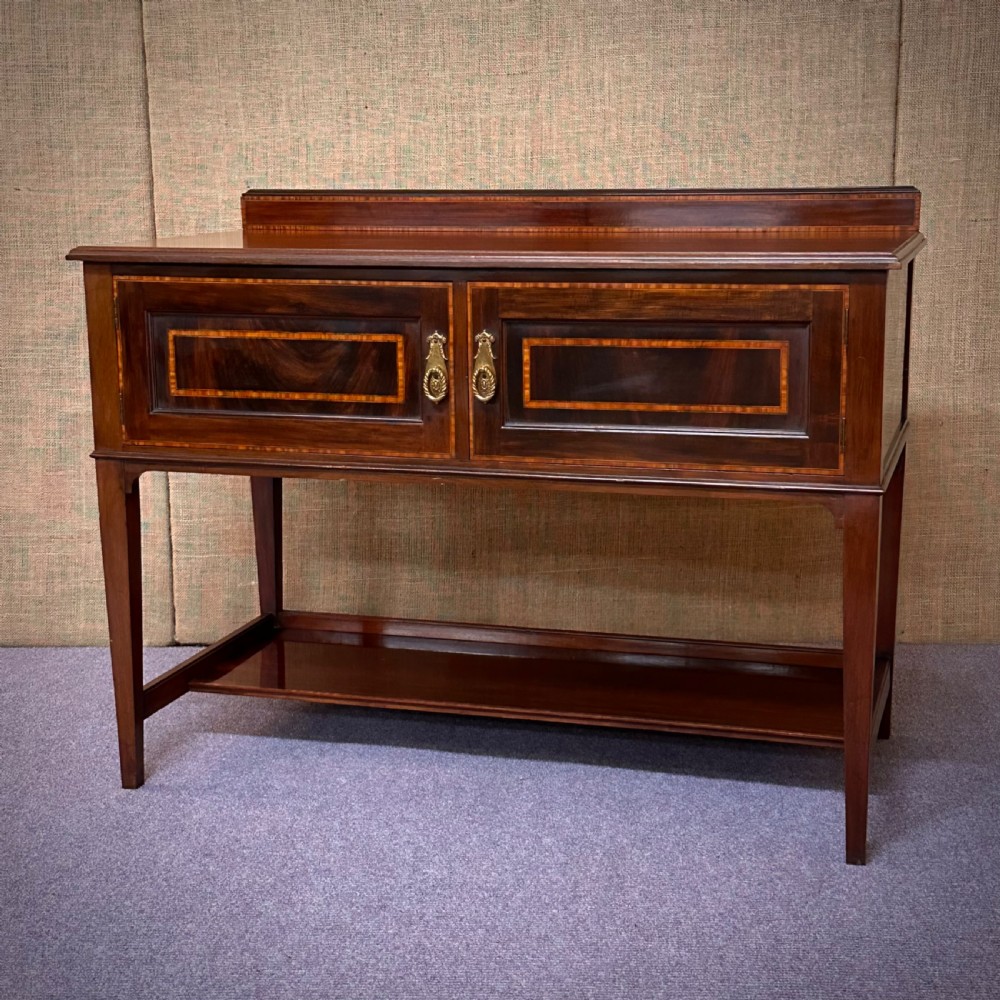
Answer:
(544, 94)
(74, 168)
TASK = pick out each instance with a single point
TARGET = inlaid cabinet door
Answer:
(305, 365)
(684, 375)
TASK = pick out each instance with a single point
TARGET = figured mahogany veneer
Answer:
(737, 343)
(588, 211)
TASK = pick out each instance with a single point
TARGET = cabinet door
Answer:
(304, 365)
(685, 375)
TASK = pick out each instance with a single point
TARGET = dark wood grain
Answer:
(260, 370)
(308, 363)
(862, 517)
(226, 652)
(776, 404)
(682, 370)
(864, 387)
(265, 492)
(716, 697)
(121, 541)
(388, 631)
(581, 210)
(103, 355)
(588, 476)
(888, 583)
(895, 350)
(859, 250)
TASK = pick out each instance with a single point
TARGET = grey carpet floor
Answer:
(295, 851)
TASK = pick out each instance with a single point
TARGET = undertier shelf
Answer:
(522, 674)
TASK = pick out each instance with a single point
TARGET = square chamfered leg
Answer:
(862, 529)
(118, 501)
(265, 492)
(888, 583)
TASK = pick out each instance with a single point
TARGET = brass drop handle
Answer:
(436, 369)
(484, 375)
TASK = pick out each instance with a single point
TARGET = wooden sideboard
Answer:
(723, 343)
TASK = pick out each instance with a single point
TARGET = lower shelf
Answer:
(607, 681)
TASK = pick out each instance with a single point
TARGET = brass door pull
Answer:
(436, 369)
(484, 375)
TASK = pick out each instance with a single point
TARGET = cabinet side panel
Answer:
(894, 358)
(103, 356)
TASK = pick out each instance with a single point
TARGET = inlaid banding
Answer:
(777, 349)
(311, 368)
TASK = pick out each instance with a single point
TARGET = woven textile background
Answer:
(949, 146)
(536, 93)
(74, 168)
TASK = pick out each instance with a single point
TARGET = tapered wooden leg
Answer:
(118, 501)
(266, 494)
(862, 520)
(888, 582)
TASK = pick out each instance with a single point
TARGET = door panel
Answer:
(703, 375)
(302, 364)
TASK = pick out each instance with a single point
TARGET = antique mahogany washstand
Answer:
(711, 343)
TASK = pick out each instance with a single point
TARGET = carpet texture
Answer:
(296, 851)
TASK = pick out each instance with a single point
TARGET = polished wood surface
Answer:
(266, 498)
(260, 371)
(789, 704)
(581, 645)
(896, 364)
(121, 540)
(250, 384)
(592, 211)
(676, 370)
(864, 250)
(862, 228)
(316, 364)
(862, 521)
(729, 344)
(229, 650)
(888, 583)
(716, 375)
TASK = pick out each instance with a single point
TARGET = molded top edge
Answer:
(596, 194)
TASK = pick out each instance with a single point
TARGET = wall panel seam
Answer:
(171, 566)
(899, 75)
(146, 108)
